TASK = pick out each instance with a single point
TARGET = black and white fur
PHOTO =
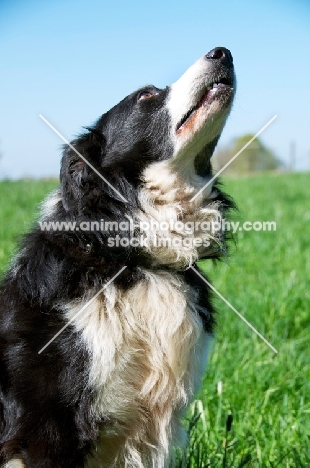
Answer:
(111, 389)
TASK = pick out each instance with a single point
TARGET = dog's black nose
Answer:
(222, 54)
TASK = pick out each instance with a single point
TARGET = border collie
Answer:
(111, 389)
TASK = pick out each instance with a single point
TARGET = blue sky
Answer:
(72, 60)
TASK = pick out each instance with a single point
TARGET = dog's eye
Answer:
(145, 95)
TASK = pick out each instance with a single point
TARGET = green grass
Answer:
(267, 279)
(19, 207)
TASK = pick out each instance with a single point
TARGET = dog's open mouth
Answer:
(212, 92)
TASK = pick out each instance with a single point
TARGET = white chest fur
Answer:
(148, 350)
(167, 199)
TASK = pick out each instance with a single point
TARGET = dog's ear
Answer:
(76, 171)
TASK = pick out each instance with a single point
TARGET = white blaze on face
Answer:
(186, 94)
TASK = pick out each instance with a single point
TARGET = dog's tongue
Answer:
(212, 91)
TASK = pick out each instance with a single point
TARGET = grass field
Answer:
(267, 279)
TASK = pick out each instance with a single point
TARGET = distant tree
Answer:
(255, 157)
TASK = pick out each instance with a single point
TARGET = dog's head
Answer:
(181, 123)
(154, 147)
